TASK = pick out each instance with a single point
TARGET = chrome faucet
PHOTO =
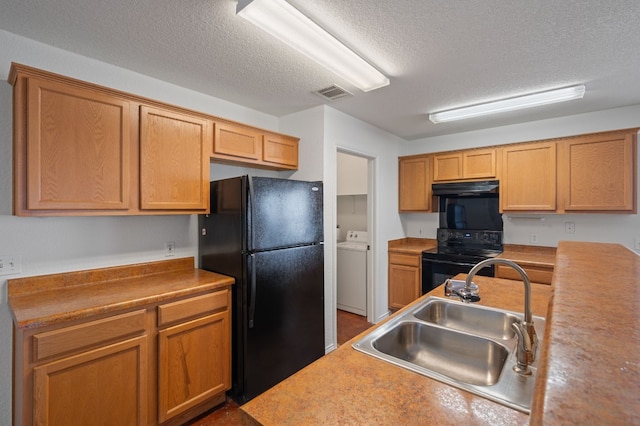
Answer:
(526, 349)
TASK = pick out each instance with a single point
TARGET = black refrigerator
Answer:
(267, 233)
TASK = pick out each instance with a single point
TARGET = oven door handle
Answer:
(448, 262)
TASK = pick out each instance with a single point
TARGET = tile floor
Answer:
(349, 326)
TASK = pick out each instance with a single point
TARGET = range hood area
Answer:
(466, 188)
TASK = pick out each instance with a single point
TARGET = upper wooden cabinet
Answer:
(84, 149)
(174, 160)
(244, 144)
(528, 177)
(414, 183)
(72, 148)
(471, 164)
(281, 151)
(598, 172)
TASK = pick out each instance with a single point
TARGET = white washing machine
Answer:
(352, 272)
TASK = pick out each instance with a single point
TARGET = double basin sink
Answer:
(468, 346)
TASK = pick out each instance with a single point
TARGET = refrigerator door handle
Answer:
(252, 293)
(252, 213)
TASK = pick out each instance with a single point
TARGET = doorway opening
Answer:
(355, 240)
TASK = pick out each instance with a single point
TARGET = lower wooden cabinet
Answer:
(158, 365)
(194, 356)
(405, 279)
(105, 385)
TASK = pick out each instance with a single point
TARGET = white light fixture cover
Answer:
(511, 104)
(283, 21)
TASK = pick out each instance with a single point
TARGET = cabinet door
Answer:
(528, 181)
(599, 172)
(194, 363)
(404, 285)
(77, 149)
(281, 151)
(479, 163)
(174, 160)
(447, 166)
(237, 141)
(414, 184)
(107, 385)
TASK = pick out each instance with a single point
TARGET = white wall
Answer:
(352, 135)
(351, 211)
(55, 244)
(618, 228)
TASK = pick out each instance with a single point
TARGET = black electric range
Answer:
(458, 250)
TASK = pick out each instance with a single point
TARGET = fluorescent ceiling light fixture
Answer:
(283, 21)
(511, 104)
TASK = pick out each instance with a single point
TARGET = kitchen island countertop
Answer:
(589, 362)
(349, 387)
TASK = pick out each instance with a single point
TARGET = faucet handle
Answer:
(524, 351)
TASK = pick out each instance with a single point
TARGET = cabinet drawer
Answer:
(405, 259)
(89, 334)
(192, 307)
(537, 274)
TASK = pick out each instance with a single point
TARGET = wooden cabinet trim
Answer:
(192, 307)
(87, 335)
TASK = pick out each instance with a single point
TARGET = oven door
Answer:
(436, 271)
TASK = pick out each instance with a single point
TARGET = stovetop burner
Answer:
(466, 245)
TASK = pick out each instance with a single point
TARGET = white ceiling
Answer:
(438, 54)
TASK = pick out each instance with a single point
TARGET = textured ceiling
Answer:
(438, 54)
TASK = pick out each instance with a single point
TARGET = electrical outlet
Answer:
(169, 248)
(569, 227)
(533, 237)
(10, 264)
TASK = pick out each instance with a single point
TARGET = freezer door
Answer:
(286, 315)
(283, 213)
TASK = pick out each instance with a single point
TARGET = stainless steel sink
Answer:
(462, 357)
(474, 319)
(468, 346)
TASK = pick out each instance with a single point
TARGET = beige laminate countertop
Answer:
(411, 245)
(347, 387)
(589, 362)
(50, 299)
(524, 255)
(530, 255)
